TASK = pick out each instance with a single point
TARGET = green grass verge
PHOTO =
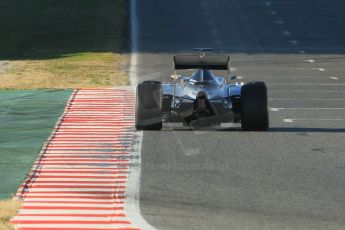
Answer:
(26, 120)
(45, 29)
(63, 44)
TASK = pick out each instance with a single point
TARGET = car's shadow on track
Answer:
(270, 130)
(306, 130)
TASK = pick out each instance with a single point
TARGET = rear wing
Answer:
(209, 62)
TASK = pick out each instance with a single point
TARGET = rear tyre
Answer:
(254, 112)
(148, 111)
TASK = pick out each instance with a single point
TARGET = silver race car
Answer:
(202, 99)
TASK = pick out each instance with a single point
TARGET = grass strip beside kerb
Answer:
(8, 208)
(63, 44)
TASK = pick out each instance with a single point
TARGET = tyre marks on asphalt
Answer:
(79, 180)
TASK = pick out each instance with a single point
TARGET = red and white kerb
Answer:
(79, 179)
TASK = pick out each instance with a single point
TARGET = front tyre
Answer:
(254, 112)
(148, 110)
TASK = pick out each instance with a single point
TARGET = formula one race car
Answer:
(202, 99)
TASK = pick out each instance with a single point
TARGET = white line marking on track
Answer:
(133, 185)
(313, 119)
(293, 42)
(286, 32)
(268, 3)
(334, 78)
(274, 109)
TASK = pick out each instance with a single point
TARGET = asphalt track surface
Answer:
(291, 177)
